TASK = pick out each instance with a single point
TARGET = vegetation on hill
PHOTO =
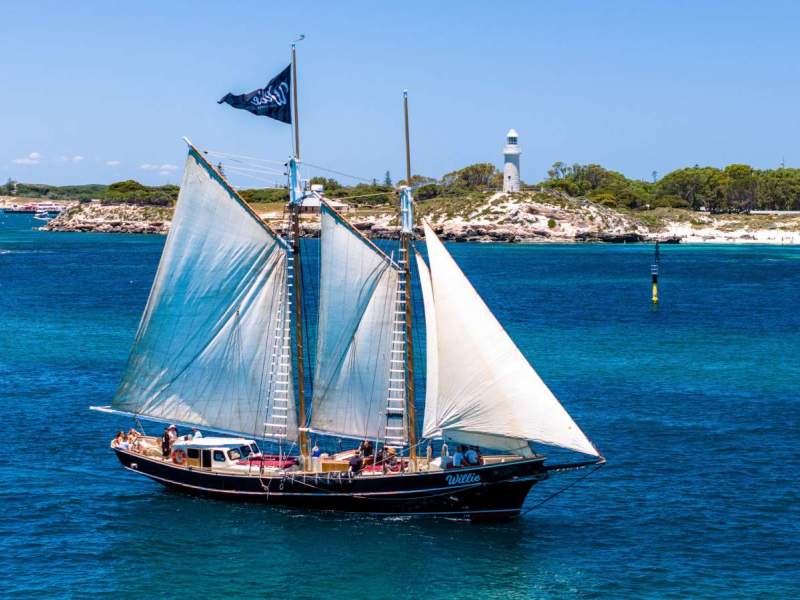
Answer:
(736, 188)
(122, 192)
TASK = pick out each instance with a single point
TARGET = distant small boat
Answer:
(42, 215)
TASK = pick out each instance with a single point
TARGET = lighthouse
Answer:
(511, 154)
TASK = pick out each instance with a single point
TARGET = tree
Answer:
(473, 177)
(387, 180)
(9, 187)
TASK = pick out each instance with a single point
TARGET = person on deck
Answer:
(124, 444)
(166, 443)
(356, 463)
(471, 457)
(390, 462)
(196, 433)
(367, 452)
(458, 457)
(117, 439)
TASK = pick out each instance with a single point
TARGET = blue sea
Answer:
(695, 403)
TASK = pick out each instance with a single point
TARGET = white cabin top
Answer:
(213, 442)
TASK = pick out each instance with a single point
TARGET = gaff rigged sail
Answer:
(358, 288)
(212, 348)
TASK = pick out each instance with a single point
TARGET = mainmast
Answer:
(296, 200)
(406, 235)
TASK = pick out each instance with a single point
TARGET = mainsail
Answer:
(481, 389)
(357, 292)
(213, 345)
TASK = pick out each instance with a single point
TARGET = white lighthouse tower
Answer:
(511, 154)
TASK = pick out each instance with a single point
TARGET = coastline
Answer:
(538, 217)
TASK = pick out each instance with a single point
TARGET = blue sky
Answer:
(103, 91)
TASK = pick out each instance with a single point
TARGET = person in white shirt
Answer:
(196, 433)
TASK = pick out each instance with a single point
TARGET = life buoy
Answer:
(179, 457)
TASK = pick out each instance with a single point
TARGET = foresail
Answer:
(212, 347)
(429, 427)
(485, 385)
(358, 287)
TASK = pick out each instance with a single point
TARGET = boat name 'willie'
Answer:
(463, 478)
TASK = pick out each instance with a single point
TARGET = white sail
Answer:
(429, 426)
(358, 288)
(212, 348)
(487, 392)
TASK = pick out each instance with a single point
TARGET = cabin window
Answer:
(234, 454)
(245, 450)
(255, 449)
(193, 453)
(219, 456)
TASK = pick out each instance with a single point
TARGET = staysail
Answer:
(486, 392)
(213, 347)
(358, 287)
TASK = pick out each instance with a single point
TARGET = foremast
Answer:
(296, 267)
(406, 237)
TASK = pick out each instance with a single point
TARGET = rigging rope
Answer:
(242, 157)
(364, 179)
(564, 489)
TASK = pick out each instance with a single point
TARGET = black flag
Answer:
(273, 100)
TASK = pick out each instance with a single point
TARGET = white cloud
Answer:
(165, 167)
(75, 159)
(32, 159)
(113, 163)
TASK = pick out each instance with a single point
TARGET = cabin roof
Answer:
(209, 442)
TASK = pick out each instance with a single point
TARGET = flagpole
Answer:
(295, 116)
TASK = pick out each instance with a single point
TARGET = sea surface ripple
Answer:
(694, 402)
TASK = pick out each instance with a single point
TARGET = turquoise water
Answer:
(694, 402)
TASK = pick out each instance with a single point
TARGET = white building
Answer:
(511, 154)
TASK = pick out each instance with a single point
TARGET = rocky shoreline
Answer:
(510, 218)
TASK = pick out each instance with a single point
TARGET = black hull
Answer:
(479, 493)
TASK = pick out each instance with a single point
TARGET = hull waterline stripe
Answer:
(512, 511)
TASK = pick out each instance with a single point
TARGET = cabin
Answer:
(213, 452)
(311, 203)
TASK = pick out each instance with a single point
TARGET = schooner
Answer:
(220, 347)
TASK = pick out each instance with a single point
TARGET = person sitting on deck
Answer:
(390, 460)
(471, 457)
(196, 433)
(117, 439)
(367, 450)
(133, 435)
(458, 457)
(356, 463)
(123, 443)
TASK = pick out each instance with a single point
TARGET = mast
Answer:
(297, 278)
(406, 234)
